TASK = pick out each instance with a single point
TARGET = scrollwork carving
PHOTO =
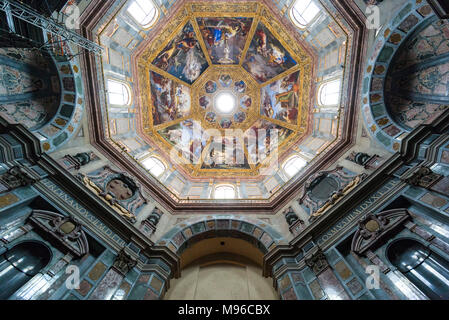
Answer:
(67, 230)
(124, 262)
(16, 177)
(373, 227)
(423, 177)
(317, 262)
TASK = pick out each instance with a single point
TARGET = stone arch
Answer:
(194, 230)
(44, 93)
(203, 231)
(385, 119)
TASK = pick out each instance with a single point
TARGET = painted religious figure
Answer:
(183, 57)
(280, 99)
(225, 80)
(240, 86)
(266, 57)
(211, 86)
(262, 137)
(170, 100)
(204, 102)
(187, 138)
(225, 153)
(225, 38)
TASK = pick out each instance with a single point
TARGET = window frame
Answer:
(296, 22)
(157, 160)
(320, 89)
(224, 186)
(125, 85)
(152, 23)
(286, 162)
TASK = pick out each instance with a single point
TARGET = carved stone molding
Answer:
(365, 160)
(291, 217)
(16, 177)
(317, 262)
(124, 262)
(374, 227)
(148, 226)
(98, 183)
(423, 177)
(155, 216)
(344, 183)
(441, 8)
(77, 161)
(66, 230)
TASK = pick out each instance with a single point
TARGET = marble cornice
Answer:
(409, 152)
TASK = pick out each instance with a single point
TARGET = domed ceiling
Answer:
(214, 86)
(218, 91)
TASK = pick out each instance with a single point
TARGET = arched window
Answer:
(118, 93)
(154, 165)
(224, 192)
(293, 165)
(423, 267)
(329, 93)
(144, 12)
(303, 12)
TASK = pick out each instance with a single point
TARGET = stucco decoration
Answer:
(325, 188)
(118, 189)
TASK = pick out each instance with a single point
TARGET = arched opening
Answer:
(144, 12)
(303, 12)
(222, 268)
(329, 93)
(154, 165)
(223, 241)
(423, 267)
(118, 93)
(20, 264)
(293, 165)
(225, 191)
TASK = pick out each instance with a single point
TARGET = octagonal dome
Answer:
(219, 87)
(209, 89)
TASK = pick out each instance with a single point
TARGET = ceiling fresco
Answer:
(266, 57)
(208, 68)
(215, 80)
(182, 57)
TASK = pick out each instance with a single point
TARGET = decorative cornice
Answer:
(75, 188)
(373, 182)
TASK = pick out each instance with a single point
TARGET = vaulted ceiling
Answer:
(207, 67)
(217, 80)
